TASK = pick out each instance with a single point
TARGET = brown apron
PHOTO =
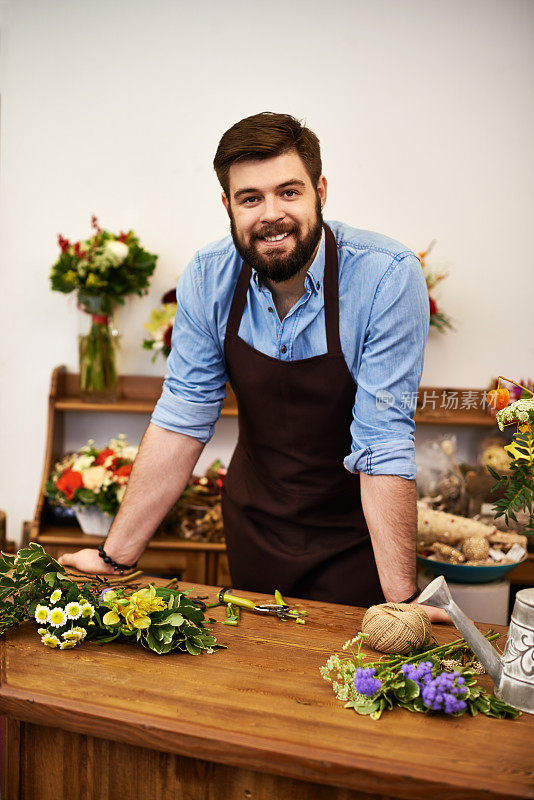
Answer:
(292, 513)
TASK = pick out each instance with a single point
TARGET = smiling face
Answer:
(275, 214)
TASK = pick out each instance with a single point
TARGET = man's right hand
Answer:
(88, 561)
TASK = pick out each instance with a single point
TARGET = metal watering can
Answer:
(513, 675)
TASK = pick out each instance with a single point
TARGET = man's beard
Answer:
(277, 266)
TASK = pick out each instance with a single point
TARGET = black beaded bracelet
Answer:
(108, 560)
(412, 597)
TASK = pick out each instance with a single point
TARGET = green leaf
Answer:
(174, 619)
(193, 648)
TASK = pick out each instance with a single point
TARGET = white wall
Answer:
(425, 114)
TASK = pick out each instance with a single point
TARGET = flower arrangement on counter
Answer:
(94, 476)
(438, 319)
(160, 619)
(439, 679)
(102, 270)
(160, 326)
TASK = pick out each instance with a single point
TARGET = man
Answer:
(320, 330)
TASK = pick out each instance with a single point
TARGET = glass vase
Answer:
(97, 349)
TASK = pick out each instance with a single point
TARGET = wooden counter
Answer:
(255, 721)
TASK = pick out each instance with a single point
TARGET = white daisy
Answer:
(67, 645)
(42, 631)
(88, 610)
(57, 617)
(73, 610)
(41, 613)
(55, 596)
(50, 640)
(80, 632)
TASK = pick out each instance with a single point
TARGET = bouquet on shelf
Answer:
(68, 611)
(160, 326)
(438, 319)
(94, 476)
(102, 270)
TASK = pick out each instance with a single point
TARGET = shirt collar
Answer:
(315, 273)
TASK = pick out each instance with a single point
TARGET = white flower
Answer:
(73, 610)
(116, 251)
(50, 640)
(67, 645)
(83, 462)
(129, 452)
(42, 631)
(88, 610)
(42, 613)
(121, 491)
(93, 477)
(55, 596)
(57, 617)
(75, 635)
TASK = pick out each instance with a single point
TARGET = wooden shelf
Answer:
(70, 535)
(136, 394)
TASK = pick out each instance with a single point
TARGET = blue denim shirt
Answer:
(383, 320)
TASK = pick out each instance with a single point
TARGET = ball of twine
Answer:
(396, 627)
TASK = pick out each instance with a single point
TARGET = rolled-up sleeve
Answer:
(195, 384)
(389, 373)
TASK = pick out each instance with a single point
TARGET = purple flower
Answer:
(365, 682)
(420, 674)
(444, 692)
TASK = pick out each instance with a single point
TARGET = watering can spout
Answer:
(437, 594)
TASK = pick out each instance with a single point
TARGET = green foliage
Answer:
(518, 485)
(33, 575)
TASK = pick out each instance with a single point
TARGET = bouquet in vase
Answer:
(102, 270)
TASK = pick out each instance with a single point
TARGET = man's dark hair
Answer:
(264, 136)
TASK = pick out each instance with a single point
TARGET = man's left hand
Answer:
(435, 614)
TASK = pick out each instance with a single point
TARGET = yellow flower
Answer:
(111, 618)
(515, 452)
(139, 607)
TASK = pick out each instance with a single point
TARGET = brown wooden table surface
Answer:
(262, 705)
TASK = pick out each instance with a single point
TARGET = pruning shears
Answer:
(278, 609)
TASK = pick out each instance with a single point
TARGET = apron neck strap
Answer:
(331, 293)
